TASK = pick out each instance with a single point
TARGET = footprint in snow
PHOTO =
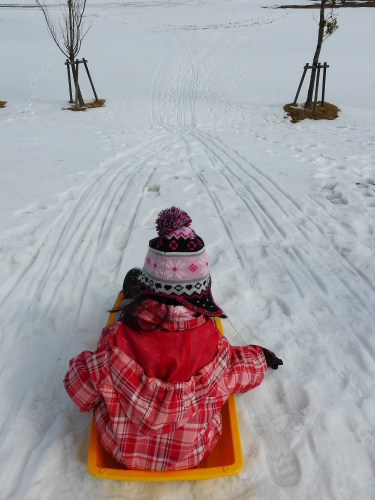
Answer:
(279, 427)
(337, 198)
(284, 468)
(31, 209)
(153, 190)
(368, 187)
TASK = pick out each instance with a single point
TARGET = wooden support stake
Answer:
(79, 97)
(91, 82)
(69, 81)
(305, 68)
(325, 66)
(76, 66)
(317, 86)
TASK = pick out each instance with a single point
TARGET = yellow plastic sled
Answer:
(225, 460)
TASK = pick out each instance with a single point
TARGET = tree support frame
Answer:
(317, 68)
(72, 70)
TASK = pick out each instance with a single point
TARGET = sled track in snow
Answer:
(78, 232)
(276, 214)
(236, 169)
(300, 275)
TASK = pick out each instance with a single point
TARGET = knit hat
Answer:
(176, 264)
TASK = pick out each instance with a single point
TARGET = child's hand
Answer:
(271, 359)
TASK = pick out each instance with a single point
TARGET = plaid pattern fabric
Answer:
(148, 424)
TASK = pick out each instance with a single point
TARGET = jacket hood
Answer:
(155, 406)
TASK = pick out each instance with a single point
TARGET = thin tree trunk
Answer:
(72, 55)
(71, 36)
(317, 53)
(76, 83)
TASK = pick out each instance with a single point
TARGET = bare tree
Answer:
(326, 27)
(68, 33)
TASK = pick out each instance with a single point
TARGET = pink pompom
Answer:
(171, 219)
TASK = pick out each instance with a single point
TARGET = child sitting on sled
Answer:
(161, 374)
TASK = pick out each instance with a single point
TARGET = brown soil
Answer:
(326, 112)
(88, 105)
(348, 3)
(2, 104)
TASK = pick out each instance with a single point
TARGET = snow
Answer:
(194, 118)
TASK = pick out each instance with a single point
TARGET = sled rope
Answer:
(236, 330)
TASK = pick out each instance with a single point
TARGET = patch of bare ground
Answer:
(348, 3)
(2, 104)
(88, 105)
(326, 111)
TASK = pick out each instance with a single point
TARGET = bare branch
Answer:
(70, 33)
(50, 26)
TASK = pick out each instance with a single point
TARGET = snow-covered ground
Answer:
(194, 118)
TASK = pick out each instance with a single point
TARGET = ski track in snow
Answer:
(302, 273)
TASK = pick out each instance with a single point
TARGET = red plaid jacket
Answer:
(148, 423)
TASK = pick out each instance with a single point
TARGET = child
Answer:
(160, 375)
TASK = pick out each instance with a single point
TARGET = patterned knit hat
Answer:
(176, 264)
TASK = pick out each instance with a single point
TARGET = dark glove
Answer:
(271, 359)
